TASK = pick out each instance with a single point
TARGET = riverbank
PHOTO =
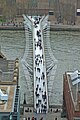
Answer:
(53, 27)
(11, 28)
(60, 27)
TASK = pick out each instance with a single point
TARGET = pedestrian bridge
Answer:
(37, 63)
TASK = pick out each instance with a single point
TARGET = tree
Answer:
(8, 9)
(57, 10)
(69, 13)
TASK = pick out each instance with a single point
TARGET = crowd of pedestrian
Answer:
(40, 90)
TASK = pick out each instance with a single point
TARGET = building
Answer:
(78, 12)
(9, 89)
(71, 95)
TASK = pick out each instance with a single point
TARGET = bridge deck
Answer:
(33, 27)
(39, 67)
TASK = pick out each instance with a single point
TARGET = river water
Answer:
(66, 49)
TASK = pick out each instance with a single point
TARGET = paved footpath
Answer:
(48, 116)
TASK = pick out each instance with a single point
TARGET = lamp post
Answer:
(10, 116)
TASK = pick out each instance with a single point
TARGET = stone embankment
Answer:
(53, 27)
(11, 27)
(60, 27)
